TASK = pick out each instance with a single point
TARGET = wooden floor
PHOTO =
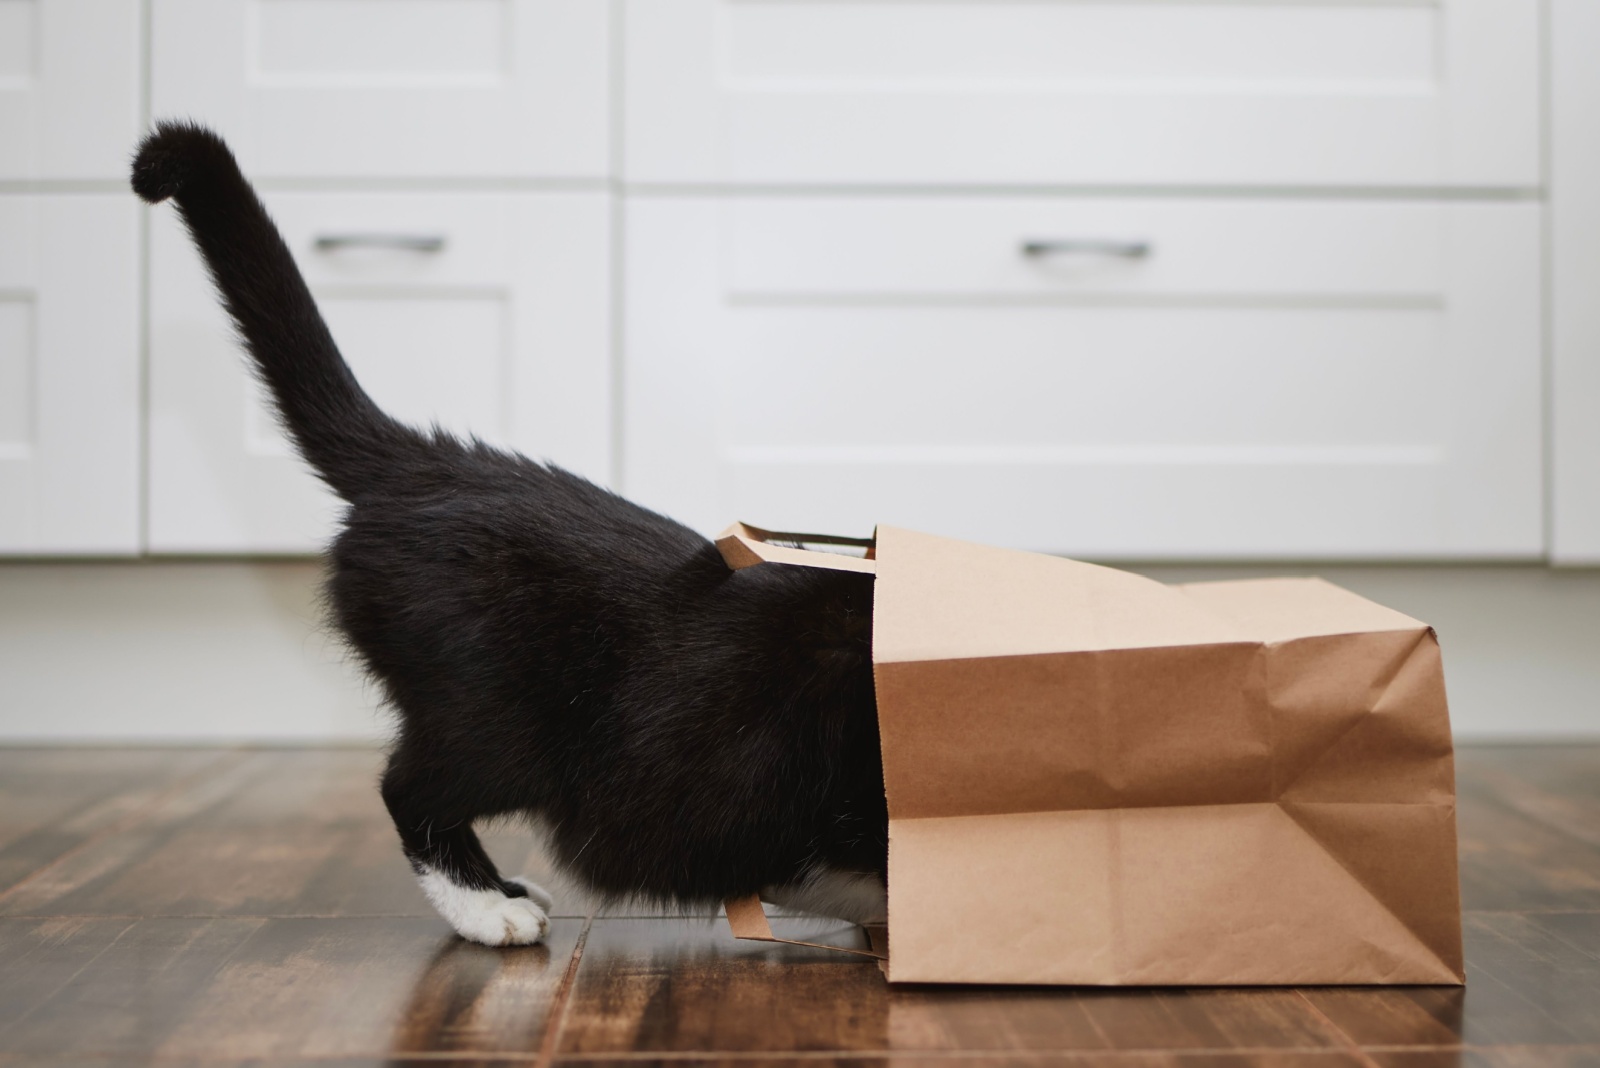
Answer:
(225, 906)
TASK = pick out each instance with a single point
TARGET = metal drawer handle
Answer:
(406, 242)
(1131, 250)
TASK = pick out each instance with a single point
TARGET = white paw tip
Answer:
(511, 921)
(488, 917)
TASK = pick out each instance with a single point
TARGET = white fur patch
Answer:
(488, 916)
(828, 892)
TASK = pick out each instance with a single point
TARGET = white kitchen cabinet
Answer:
(69, 88)
(1140, 92)
(69, 374)
(1574, 206)
(391, 88)
(501, 330)
(1331, 348)
(1270, 378)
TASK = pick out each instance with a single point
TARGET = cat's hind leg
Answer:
(455, 873)
(857, 896)
(531, 890)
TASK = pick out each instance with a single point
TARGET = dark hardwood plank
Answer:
(52, 801)
(1066, 1059)
(653, 984)
(1210, 1019)
(258, 910)
(280, 833)
(145, 977)
(988, 1019)
(1518, 849)
(1296, 1059)
(649, 985)
(39, 957)
(497, 1061)
(1580, 930)
(234, 988)
(1556, 784)
(1527, 985)
(1040, 1018)
(1506, 1057)
(1394, 1016)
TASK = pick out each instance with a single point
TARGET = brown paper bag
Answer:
(1094, 778)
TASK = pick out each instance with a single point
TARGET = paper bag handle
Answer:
(748, 920)
(744, 546)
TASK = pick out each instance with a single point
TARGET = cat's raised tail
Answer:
(353, 445)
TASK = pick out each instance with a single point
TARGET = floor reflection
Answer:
(472, 997)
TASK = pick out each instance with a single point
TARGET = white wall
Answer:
(158, 651)
(191, 651)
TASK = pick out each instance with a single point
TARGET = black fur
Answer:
(686, 732)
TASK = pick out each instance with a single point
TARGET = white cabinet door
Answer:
(69, 88)
(1574, 205)
(391, 88)
(1289, 378)
(1270, 92)
(69, 374)
(502, 332)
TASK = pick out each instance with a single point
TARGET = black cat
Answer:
(684, 732)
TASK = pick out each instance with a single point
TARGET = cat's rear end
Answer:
(684, 732)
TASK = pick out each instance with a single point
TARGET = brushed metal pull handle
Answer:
(404, 242)
(1130, 250)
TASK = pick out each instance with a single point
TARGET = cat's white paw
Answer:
(488, 917)
(537, 893)
(505, 921)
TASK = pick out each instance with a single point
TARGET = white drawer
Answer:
(1289, 378)
(69, 88)
(502, 332)
(69, 374)
(391, 88)
(1275, 92)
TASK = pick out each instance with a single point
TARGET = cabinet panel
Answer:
(69, 374)
(502, 331)
(1574, 204)
(1277, 92)
(391, 88)
(69, 88)
(1270, 379)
